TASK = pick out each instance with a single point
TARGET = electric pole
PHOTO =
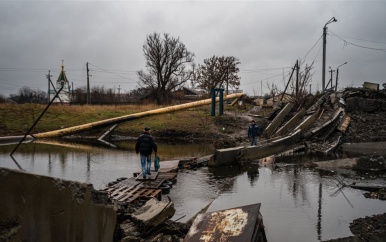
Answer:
(324, 52)
(119, 93)
(88, 85)
(331, 71)
(72, 91)
(336, 78)
(297, 77)
(49, 80)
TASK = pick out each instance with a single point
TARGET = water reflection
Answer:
(97, 165)
(298, 204)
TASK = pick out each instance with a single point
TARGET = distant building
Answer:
(64, 96)
(273, 101)
(185, 95)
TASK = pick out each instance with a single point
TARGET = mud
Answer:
(365, 227)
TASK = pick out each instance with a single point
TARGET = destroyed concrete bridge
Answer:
(304, 129)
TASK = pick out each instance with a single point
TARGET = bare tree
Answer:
(273, 90)
(166, 61)
(28, 95)
(299, 88)
(218, 72)
(298, 84)
(2, 98)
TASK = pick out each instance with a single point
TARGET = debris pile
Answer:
(365, 228)
(149, 222)
(370, 163)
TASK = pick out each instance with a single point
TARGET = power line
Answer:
(265, 79)
(360, 46)
(266, 69)
(304, 58)
(321, 45)
(372, 41)
(113, 73)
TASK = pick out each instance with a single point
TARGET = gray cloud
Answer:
(267, 36)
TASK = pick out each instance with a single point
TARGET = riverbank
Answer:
(193, 123)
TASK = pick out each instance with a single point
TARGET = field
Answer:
(17, 119)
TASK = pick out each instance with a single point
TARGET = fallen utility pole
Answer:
(111, 121)
(41, 115)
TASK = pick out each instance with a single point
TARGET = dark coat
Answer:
(253, 130)
(145, 144)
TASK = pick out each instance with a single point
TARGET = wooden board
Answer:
(153, 176)
(169, 166)
(168, 176)
(155, 184)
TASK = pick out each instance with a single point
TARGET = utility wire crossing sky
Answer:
(267, 37)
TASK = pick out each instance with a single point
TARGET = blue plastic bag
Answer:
(156, 163)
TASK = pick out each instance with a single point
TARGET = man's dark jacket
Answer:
(145, 144)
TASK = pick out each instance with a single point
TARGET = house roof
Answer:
(193, 91)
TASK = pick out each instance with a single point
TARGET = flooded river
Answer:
(297, 204)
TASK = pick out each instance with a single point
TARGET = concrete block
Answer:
(371, 86)
(225, 157)
(50, 209)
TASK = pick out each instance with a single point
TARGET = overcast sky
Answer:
(266, 36)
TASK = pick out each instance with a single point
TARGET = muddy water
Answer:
(298, 204)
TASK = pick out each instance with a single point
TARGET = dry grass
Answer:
(16, 119)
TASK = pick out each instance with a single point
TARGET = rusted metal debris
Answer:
(235, 224)
(344, 124)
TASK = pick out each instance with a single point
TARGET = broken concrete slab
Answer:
(336, 165)
(286, 128)
(327, 127)
(308, 121)
(371, 86)
(239, 155)
(365, 148)
(51, 209)
(225, 156)
(154, 212)
(277, 120)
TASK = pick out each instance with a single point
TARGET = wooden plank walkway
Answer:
(154, 184)
(153, 176)
(136, 189)
(169, 166)
(170, 176)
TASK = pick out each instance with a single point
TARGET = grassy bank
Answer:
(16, 119)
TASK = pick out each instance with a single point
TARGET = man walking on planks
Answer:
(253, 132)
(144, 146)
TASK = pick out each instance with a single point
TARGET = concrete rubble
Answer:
(154, 212)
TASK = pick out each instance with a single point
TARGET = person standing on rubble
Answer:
(253, 132)
(144, 146)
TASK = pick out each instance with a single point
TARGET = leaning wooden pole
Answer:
(111, 121)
